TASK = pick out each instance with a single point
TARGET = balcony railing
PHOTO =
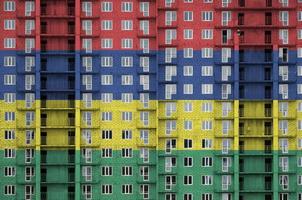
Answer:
(71, 121)
(43, 121)
(71, 158)
(268, 149)
(268, 112)
(268, 130)
(268, 167)
(43, 195)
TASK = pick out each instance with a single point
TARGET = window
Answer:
(207, 16)
(29, 173)
(9, 6)
(206, 143)
(188, 180)
(126, 153)
(9, 171)
(87, 63)
(87, 81)
(9, 61)
(188, 143)
(87, 173)
(127, 97)
(9, 43)
(87, 8)
(126, 171)
(9, 24)
(283, 36)
(106, 189)
(87, 26)
(9, 153)
(206, 89)
(107, 134)
(206, 125)
(107, 43)
(299, 70)
(126, 189)
(106, 153)
(144, 8)
(188, 34)
(126, 116)
(126, 134)
(127, 80)
(299, 88)
(106, 61)
(106, 97)
(87, 191)
(207, 34)
(207, 107)
(29, 63)
(209, 196)
(207, 52)
(106, 25)
(9, 190)
(206, 161)
(9, 116)
(29, 26)
(299, 15)
(188, 52)
(283, 17)
(206, 180)
(188, 125)
(188, 161)
(127, 6)
(87, 45)
(106, 171)
(226, 54)
(299, 34)
(299, 181)
(188, 88)
(188, 70)
(284, 181)
(127, 61)
(9, 97)
(127, 43)
(9, 134)
(170, 35)
(225, 17)
(106, 79)
(106, 116)
(188, 16)
(29, 7)
(207, 71)
(29, 155)
(299, 162)
(127, 25)
(188, 106)
(106, 6)
(299, 52)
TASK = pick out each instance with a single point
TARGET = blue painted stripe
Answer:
(57, 76)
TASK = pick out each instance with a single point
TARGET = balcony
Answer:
(55, 105)
(43, 195)
(62, 124)
(267, 149)
(268, 131)
(71, 195)
(268, 167)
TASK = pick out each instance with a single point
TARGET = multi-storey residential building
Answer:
(151, 99)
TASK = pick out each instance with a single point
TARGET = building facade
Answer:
(151, 99)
